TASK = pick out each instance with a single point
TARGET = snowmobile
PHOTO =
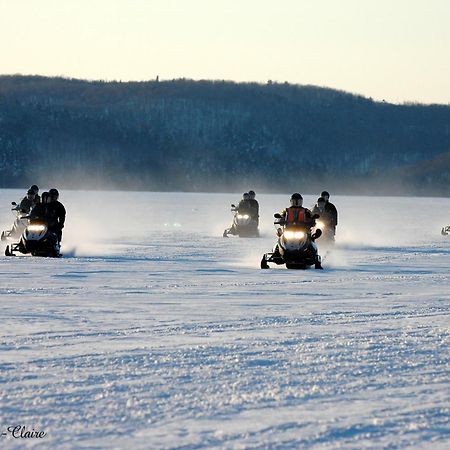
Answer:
(19, 225)
(445, 231)
(243, 224)
(327, 236)
(36, 239)
(295, 248)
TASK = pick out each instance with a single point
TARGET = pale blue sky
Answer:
(396, 50)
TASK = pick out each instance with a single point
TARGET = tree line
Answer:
(217, 136)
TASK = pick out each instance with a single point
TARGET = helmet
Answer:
(296, 199)
(53, 193)
(245, 196)
(34, 188)
(252, 194)
(31, 192)
(325, 194)
(321, 200)
(45, 197)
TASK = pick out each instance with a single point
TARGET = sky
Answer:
(393, 50)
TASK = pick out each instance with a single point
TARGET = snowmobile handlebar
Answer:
(280, 220)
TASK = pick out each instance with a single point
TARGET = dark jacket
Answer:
(244, 207)
(325, 216)
(58, 214)
(254, 207)
(42, 212)
(26, 205)
(332, 211)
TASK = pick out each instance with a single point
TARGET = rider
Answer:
(296, 214)
(37, 198)
(254, 206)
(244, 205)
(331, 210)
(28, 202)
(242, 208)
(325, 216)
(58, 213)
(319, 208)
(44, 211)
(41, 210)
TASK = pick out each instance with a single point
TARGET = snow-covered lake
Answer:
(155, 332)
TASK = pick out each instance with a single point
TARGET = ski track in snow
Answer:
(162, 334)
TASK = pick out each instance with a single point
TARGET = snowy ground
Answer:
(155, 332)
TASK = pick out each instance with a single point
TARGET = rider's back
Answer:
(298, 215)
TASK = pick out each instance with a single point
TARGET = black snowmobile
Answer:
(445, 231)
(243, 224)
(19, 225)
(295, 248)
(36, 239)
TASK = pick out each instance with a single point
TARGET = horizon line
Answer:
(157, 79)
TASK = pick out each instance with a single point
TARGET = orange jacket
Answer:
(298, 216)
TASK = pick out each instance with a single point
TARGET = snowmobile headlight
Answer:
(294, 234)
(320, 224)
(36, 228)
(243, 216)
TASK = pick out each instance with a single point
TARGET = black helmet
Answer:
(252, 194)
(34, 188)
(321, 200)
(296, 199)
(53, 193)
(325, 194)
(245, 196)
(45, 196)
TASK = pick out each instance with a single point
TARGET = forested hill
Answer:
(217, 136)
